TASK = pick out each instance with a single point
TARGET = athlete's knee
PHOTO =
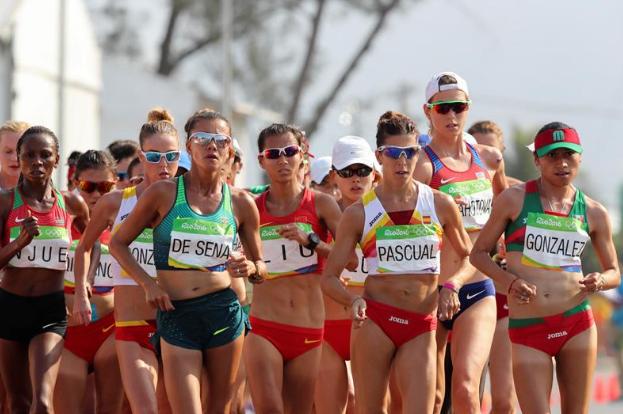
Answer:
(464, 393)
(41, 405)
(502, 404)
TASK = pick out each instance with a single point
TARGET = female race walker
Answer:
(547, 222)
(10, 132)
(196, 219)
(471, 176)
(36, 236)
(287, 314)
(399, 225)
(134, 317)
(353, 173)
(91, 347)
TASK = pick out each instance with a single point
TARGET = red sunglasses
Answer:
(443, 107)
(102, 187)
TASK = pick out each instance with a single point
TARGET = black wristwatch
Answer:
(313, 240)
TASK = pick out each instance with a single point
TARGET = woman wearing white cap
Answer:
(398, 226)
(471, 176)
(547, 222)
(321, 179)
(353, 172)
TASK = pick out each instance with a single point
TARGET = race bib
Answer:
(407, 249)
(47, 250)
(554, 243)
(358, 277)
(285, 257)
(199, 244)
(142, 249)
(476, 197)
(103, 273)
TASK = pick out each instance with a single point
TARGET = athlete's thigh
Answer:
(417, 356)
(44, 355)
(575, 365)
(139, 369)
(222, 364)
(331, 390)
(371, 353)
(501, 369)
(299, 381)
(71, 381)
(264, 365)
(182, 371)
(441, 338)
(108, 384)
(533, 372)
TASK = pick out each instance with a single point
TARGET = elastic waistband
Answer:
(257, 322)
(58, 293)
(127, 324)
(224, 294)
(523, 322)
(337, 323)
(397, 311)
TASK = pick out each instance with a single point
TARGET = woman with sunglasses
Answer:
(196, 219)
(36, 221)
(91, 347)
(353, 175)
(471, 176)
(399, 226)
(547, 222)
(134, 316)
(287, 315)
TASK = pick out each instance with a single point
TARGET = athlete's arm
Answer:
(423, 168)
(79, 210)
(453, 231)
(248, 217)
(348, 234)
(494, 161)
(151, 207)
(601, 236)
(505, 208)
(28, 231)
(103, 215)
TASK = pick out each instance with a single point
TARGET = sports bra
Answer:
(142, 248)
(185, 240)
(49, 249)
(549, 240)
(285, 257)
(472, 186)
(402, 249)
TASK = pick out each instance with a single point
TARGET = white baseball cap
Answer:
(319, 169)
(351, 150)
(434, 87)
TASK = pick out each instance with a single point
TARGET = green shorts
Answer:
(209, 321)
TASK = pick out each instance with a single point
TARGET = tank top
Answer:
(402, 249)
(142, 248)
(48, 250)
(549, 240)
(285, 257)
(104, 273)
(472, 186)
(185, 240)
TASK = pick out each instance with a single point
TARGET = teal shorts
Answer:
(208, 321)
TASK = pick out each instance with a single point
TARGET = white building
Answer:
(50, 71)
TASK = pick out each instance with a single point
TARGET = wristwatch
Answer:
(313, 240)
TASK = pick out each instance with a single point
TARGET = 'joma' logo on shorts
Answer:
(399, 320)
(557, 335)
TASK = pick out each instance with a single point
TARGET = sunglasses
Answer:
(443, 107)
(275, 153)
(154, 157)
(221, 140)
(122, 176)
(102, 187)
(397, 152)
(358, 171)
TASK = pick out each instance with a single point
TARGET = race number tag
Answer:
(475, 198)
(47, 250)
(407, 249)
(199, 244)
(285, 257)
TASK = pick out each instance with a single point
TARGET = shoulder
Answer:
(354, 214)
(511, 197)
(161, 187)
(241, 198)
(595, 211)
(74, 201)
(111, 200)
(442, 200)
(423, 168)
(6, 201)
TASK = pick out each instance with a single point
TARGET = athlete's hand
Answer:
(81, 313)
(293, 232)
(449, 304)
(522, 291)
(239, 266)
(30, 229)
(592, 282)
(459, 200)
(359, 311)
(157, 297)
(353, 262)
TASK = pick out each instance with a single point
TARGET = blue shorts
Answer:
(470, 294)
(208, 321)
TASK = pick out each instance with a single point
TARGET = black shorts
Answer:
(24, 317)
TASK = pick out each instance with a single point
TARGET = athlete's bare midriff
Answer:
(450, 263)
(556, 291)
(188, 284)
(337, 311)
(130, 304)
(413, 293)
(32, 281)
(294, 300)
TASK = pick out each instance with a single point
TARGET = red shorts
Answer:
(501, 302)
(398, 324)
(290, 341)
(549, 334)
(337, 334)
(85, 341)
(136, 331)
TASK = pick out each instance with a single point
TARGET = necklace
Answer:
(565, 204)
